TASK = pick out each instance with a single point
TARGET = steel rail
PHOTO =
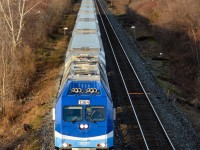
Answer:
(124, 82)
(137, 79)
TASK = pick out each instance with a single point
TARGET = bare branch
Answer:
(5, 16)
(31, 8)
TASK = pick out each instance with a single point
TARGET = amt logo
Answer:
(83, 143)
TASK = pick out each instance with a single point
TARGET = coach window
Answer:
(95, 113)
(72, 113)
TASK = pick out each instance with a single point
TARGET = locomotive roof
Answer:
(87, 5)
(83, 41)
(85, 9)
(89, 16)
(91, 25)
(87, 2)
(84, 70)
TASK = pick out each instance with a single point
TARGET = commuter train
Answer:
(83, 114)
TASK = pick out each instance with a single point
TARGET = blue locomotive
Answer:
(84, 114)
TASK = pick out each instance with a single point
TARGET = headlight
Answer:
(81, 126)
(84, 126)
(101, 145)
(66, 145)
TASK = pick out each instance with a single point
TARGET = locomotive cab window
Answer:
(95, 113)
(72, 113)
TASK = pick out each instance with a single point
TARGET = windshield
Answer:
(72, 113)
(95, 113)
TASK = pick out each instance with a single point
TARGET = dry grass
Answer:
(144, 8)
(34, 106)
(30, 113)
(176, 26)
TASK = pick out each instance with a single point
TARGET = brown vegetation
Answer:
(175, 26)
(24, 27)
(29, 65)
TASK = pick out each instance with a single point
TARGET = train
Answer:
(83, 113)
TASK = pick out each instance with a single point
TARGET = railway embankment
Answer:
(167, 62)
(175, 120)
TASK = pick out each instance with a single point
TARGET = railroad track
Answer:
(137, 125)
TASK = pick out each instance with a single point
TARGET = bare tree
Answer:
(3, 74)
(12, 20)
(14, 13)
(18, 20)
